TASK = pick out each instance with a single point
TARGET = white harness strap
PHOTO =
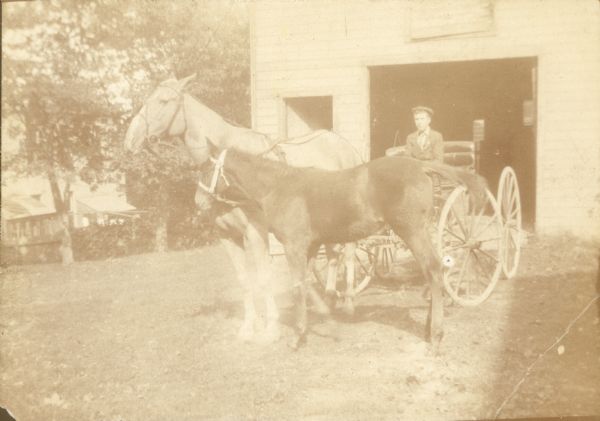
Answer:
(217, 172)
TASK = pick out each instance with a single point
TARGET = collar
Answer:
(425, 132)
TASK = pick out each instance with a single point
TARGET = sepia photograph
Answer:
(300, 210)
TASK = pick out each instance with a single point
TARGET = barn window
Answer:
(307, 114)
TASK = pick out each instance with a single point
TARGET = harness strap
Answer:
(279, 153)
(217, 172)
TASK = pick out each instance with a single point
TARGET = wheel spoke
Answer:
(490, 222)
(456, 247)
(513, 200)
(485, 240)
(514, 237)
(515, 212)
(475, 220)
(453, 234)
(462, 272)
(363, 266)
(484, 273)
(482, 264)
(494, 258)
(459, 222)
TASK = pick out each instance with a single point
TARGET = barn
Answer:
(524, 75)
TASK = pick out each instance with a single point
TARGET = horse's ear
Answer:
(183, 82)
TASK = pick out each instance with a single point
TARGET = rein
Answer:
(277, 144)
(278, 150)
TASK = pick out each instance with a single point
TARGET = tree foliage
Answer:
(73, 73)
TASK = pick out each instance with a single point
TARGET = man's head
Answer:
(422, 116)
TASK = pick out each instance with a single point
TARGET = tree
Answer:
(58, 100)
(72, 72)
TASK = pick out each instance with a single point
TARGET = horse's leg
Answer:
(319, 305)
(332, 268)
(297, 260)
(349, 252)
(424, 252)
(238, 258)
(257, 247)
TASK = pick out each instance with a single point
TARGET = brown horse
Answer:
(305, 208)
(170, 112)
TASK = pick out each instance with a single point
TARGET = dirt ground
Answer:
(153, 337)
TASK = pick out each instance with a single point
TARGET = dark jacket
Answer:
(433, 149)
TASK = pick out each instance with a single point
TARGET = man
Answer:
(425, 143)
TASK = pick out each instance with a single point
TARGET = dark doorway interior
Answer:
(500, 92)
(307, 114)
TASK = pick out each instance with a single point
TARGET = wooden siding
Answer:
(325, 48)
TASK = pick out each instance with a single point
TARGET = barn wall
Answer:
(325, 48)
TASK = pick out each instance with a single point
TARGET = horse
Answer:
(307, 207)
(171, 112)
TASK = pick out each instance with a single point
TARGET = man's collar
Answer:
(426, 131)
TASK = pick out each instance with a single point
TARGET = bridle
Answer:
(218, 172)
(153, 140)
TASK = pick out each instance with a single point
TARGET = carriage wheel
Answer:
(509, 200)
(469, 242)
(383, 249)
(363, 268)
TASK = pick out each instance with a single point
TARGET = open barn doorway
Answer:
(501, 93)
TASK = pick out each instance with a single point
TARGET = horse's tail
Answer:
(475, 183)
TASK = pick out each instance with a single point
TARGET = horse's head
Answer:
(161, 116)
(215, 186)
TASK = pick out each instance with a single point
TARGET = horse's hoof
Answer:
(349, 307)
(272, 332)
(322, 308)
(434, 350)
(298, 341)
(331, 299)
(436, 340)
(246, 333)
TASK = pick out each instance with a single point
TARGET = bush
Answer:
(137, 235)
(189, 231)
(98, 242)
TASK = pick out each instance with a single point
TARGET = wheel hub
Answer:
(473, 244)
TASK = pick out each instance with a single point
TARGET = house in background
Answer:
(31, 229)
(100, 208)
